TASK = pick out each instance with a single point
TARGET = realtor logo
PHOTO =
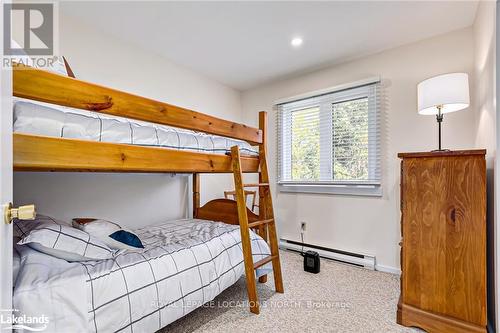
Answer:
(12, 320)
(28, 29)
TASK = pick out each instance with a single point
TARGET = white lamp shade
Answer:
(451, 91)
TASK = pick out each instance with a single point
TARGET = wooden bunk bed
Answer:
(41, 153)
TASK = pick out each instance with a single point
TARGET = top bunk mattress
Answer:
(50, 120)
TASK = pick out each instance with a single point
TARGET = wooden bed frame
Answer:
(41, 153)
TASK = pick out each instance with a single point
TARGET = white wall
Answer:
(484, 75)
(362, 224)
(486, 131)
(133, 200)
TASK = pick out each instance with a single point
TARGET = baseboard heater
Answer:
(362, 260)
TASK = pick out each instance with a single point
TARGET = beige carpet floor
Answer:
(341, 298)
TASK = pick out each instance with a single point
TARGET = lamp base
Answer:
(439, 119)
(439, 150)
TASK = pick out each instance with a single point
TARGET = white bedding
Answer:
(50, 120)
(184, 264)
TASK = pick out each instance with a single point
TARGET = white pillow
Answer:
(65, 242)
(102, 229)
(21, 228)
(57, 66)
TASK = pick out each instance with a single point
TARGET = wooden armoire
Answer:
(443, 246)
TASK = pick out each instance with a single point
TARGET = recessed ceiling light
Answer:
(296, 42)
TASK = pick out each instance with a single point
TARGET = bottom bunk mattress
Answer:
(183, 265)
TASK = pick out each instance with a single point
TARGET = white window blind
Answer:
(331, 140)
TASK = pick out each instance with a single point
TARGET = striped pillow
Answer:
(65, 242)
(21, 228)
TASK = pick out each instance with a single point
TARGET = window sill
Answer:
(354, 190)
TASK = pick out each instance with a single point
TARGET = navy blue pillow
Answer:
(128, 238)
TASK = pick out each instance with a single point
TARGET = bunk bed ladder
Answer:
(266, 226)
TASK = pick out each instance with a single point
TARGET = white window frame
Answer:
(326, 184)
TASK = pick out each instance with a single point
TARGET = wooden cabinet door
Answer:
(444, 236)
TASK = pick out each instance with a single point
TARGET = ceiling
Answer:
(244, 44)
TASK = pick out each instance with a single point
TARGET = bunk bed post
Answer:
(267, 208)
(262, 204)
(196, 194)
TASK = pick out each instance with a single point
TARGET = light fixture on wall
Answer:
(443, 94)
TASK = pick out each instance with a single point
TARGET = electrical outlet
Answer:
(303, 226)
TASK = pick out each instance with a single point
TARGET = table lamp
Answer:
(443, 94)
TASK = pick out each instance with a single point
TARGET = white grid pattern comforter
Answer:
(184, 264)
(52, 120)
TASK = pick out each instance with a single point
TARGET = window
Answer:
(331, 142)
